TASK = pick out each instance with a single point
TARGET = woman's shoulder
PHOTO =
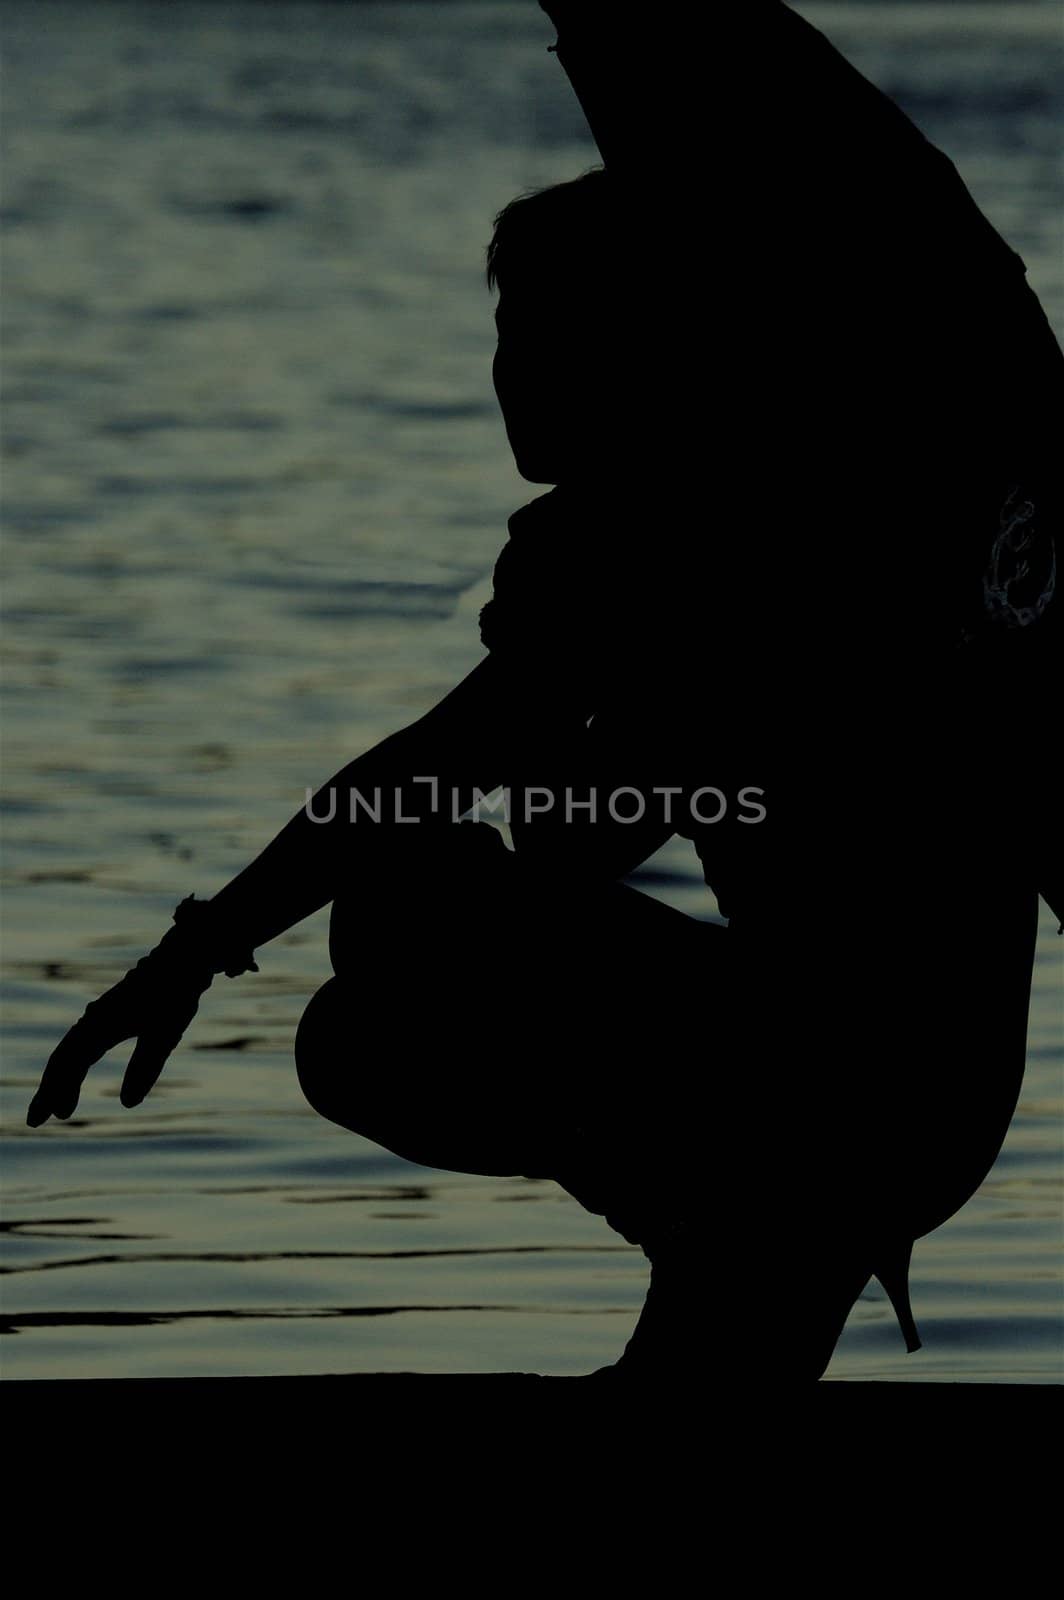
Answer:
(547, 573)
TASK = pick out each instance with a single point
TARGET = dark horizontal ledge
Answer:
(119, 1396)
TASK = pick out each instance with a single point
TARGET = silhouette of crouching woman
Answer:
(773, 1122)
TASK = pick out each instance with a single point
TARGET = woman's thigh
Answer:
(485, 1019)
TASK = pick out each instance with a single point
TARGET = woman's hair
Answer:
(569, 230)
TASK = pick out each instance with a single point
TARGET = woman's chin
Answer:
(535, 469)
(590, 463)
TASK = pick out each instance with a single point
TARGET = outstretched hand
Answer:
(154, 1004)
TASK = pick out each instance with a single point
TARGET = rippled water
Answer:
(254, 486)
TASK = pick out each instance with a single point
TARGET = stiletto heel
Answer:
(892, 1270)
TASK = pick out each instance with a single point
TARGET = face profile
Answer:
(568, 318)
(556, 387)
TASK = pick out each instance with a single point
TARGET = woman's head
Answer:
(562, 261)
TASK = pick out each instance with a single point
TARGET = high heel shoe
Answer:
(668, 1343)
(892, 1270)
(685, 1330)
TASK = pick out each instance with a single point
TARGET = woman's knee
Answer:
(372, 1063)
(421, 1110)
(319, 1049)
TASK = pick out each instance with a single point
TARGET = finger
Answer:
(68, 1065)
(38, 1112)
(146, 1063)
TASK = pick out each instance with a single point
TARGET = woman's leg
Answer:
(484, 1020)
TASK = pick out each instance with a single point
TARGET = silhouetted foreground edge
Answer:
(498, 1456)
(122, 1400)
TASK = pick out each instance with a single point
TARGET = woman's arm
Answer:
(460, 748)
(434, 770)
(455, 750)
(296, 874)
(596, 802)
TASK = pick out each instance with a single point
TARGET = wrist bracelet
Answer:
(197, 918)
